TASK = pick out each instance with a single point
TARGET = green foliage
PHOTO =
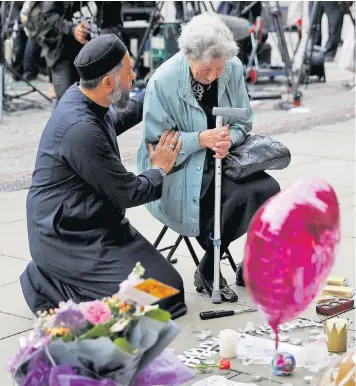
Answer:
(159, 315)
(123, 345)
(97, 332)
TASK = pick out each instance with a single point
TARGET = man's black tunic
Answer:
(81, 244)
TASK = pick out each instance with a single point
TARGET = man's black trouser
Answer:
(335, 17)
(64, 75)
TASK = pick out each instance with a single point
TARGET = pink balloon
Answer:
(291, 246)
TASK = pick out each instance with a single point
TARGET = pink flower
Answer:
(96, 312)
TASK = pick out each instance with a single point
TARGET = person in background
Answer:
(66, 37)
(335, 15)
(62, 42)
(26, 58)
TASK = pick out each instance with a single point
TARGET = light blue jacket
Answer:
(171, 104)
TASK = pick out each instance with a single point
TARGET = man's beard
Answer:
(120, 97)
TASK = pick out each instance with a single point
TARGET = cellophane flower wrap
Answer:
(99, 343)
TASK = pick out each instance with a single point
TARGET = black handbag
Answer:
(258, 153)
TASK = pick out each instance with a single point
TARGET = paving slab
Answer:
(326, 144)
(233, 375)
(13, 207)
(347, 216)
(340, 190)
(298, 159)
(343, 127)
(14, 241)
(13, 325)
(334, 171)
(12, 301)
(349, 200)
(11, 269)
(345, 261)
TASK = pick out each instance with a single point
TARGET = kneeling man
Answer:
(81, 244)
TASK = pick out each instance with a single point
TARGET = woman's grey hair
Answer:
(207, 37)
(91, 84)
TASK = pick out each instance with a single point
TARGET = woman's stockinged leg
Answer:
(206, 265)
(207, 228)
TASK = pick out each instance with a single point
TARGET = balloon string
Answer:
(277, 338)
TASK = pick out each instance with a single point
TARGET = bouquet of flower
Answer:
(103, 342)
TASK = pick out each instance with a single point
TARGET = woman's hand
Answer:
(218, 140)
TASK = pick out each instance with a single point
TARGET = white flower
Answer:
(140, 312)
(120, 325)
(138, 270)
(133, 279)
(68, 305)
(44, 322)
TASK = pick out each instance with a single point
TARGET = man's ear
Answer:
(107, 82)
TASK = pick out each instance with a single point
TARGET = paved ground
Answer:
(325, 150)
(21, 130)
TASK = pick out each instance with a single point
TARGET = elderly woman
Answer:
(180, 96)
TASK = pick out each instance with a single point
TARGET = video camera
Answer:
(137, 10)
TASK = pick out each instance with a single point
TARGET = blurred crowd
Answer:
(45, 37)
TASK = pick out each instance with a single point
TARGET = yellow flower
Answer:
(59, 331)
(123, 307)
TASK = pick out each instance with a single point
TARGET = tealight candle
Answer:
(228, 343)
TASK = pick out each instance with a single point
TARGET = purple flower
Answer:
(58, 373)
(28, 345)
(38, 372)
(165, 369)
(70, 318)
(64, 375)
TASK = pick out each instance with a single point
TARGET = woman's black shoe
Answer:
(239, 276)
(227, 294)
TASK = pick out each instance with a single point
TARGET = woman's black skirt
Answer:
(239, 202)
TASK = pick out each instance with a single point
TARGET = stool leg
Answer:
(173, 249)
(191, 250)
(231, 260)
(160, 236)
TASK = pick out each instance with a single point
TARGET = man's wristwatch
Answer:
(163, 173)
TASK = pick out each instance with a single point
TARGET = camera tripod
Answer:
(6, 28)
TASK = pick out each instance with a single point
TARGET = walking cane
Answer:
(220, 112)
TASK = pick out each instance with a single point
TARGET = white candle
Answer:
(228, 343)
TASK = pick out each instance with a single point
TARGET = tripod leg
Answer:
(309, 47)
(158, 7)
(34, 89)
(347, 11)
